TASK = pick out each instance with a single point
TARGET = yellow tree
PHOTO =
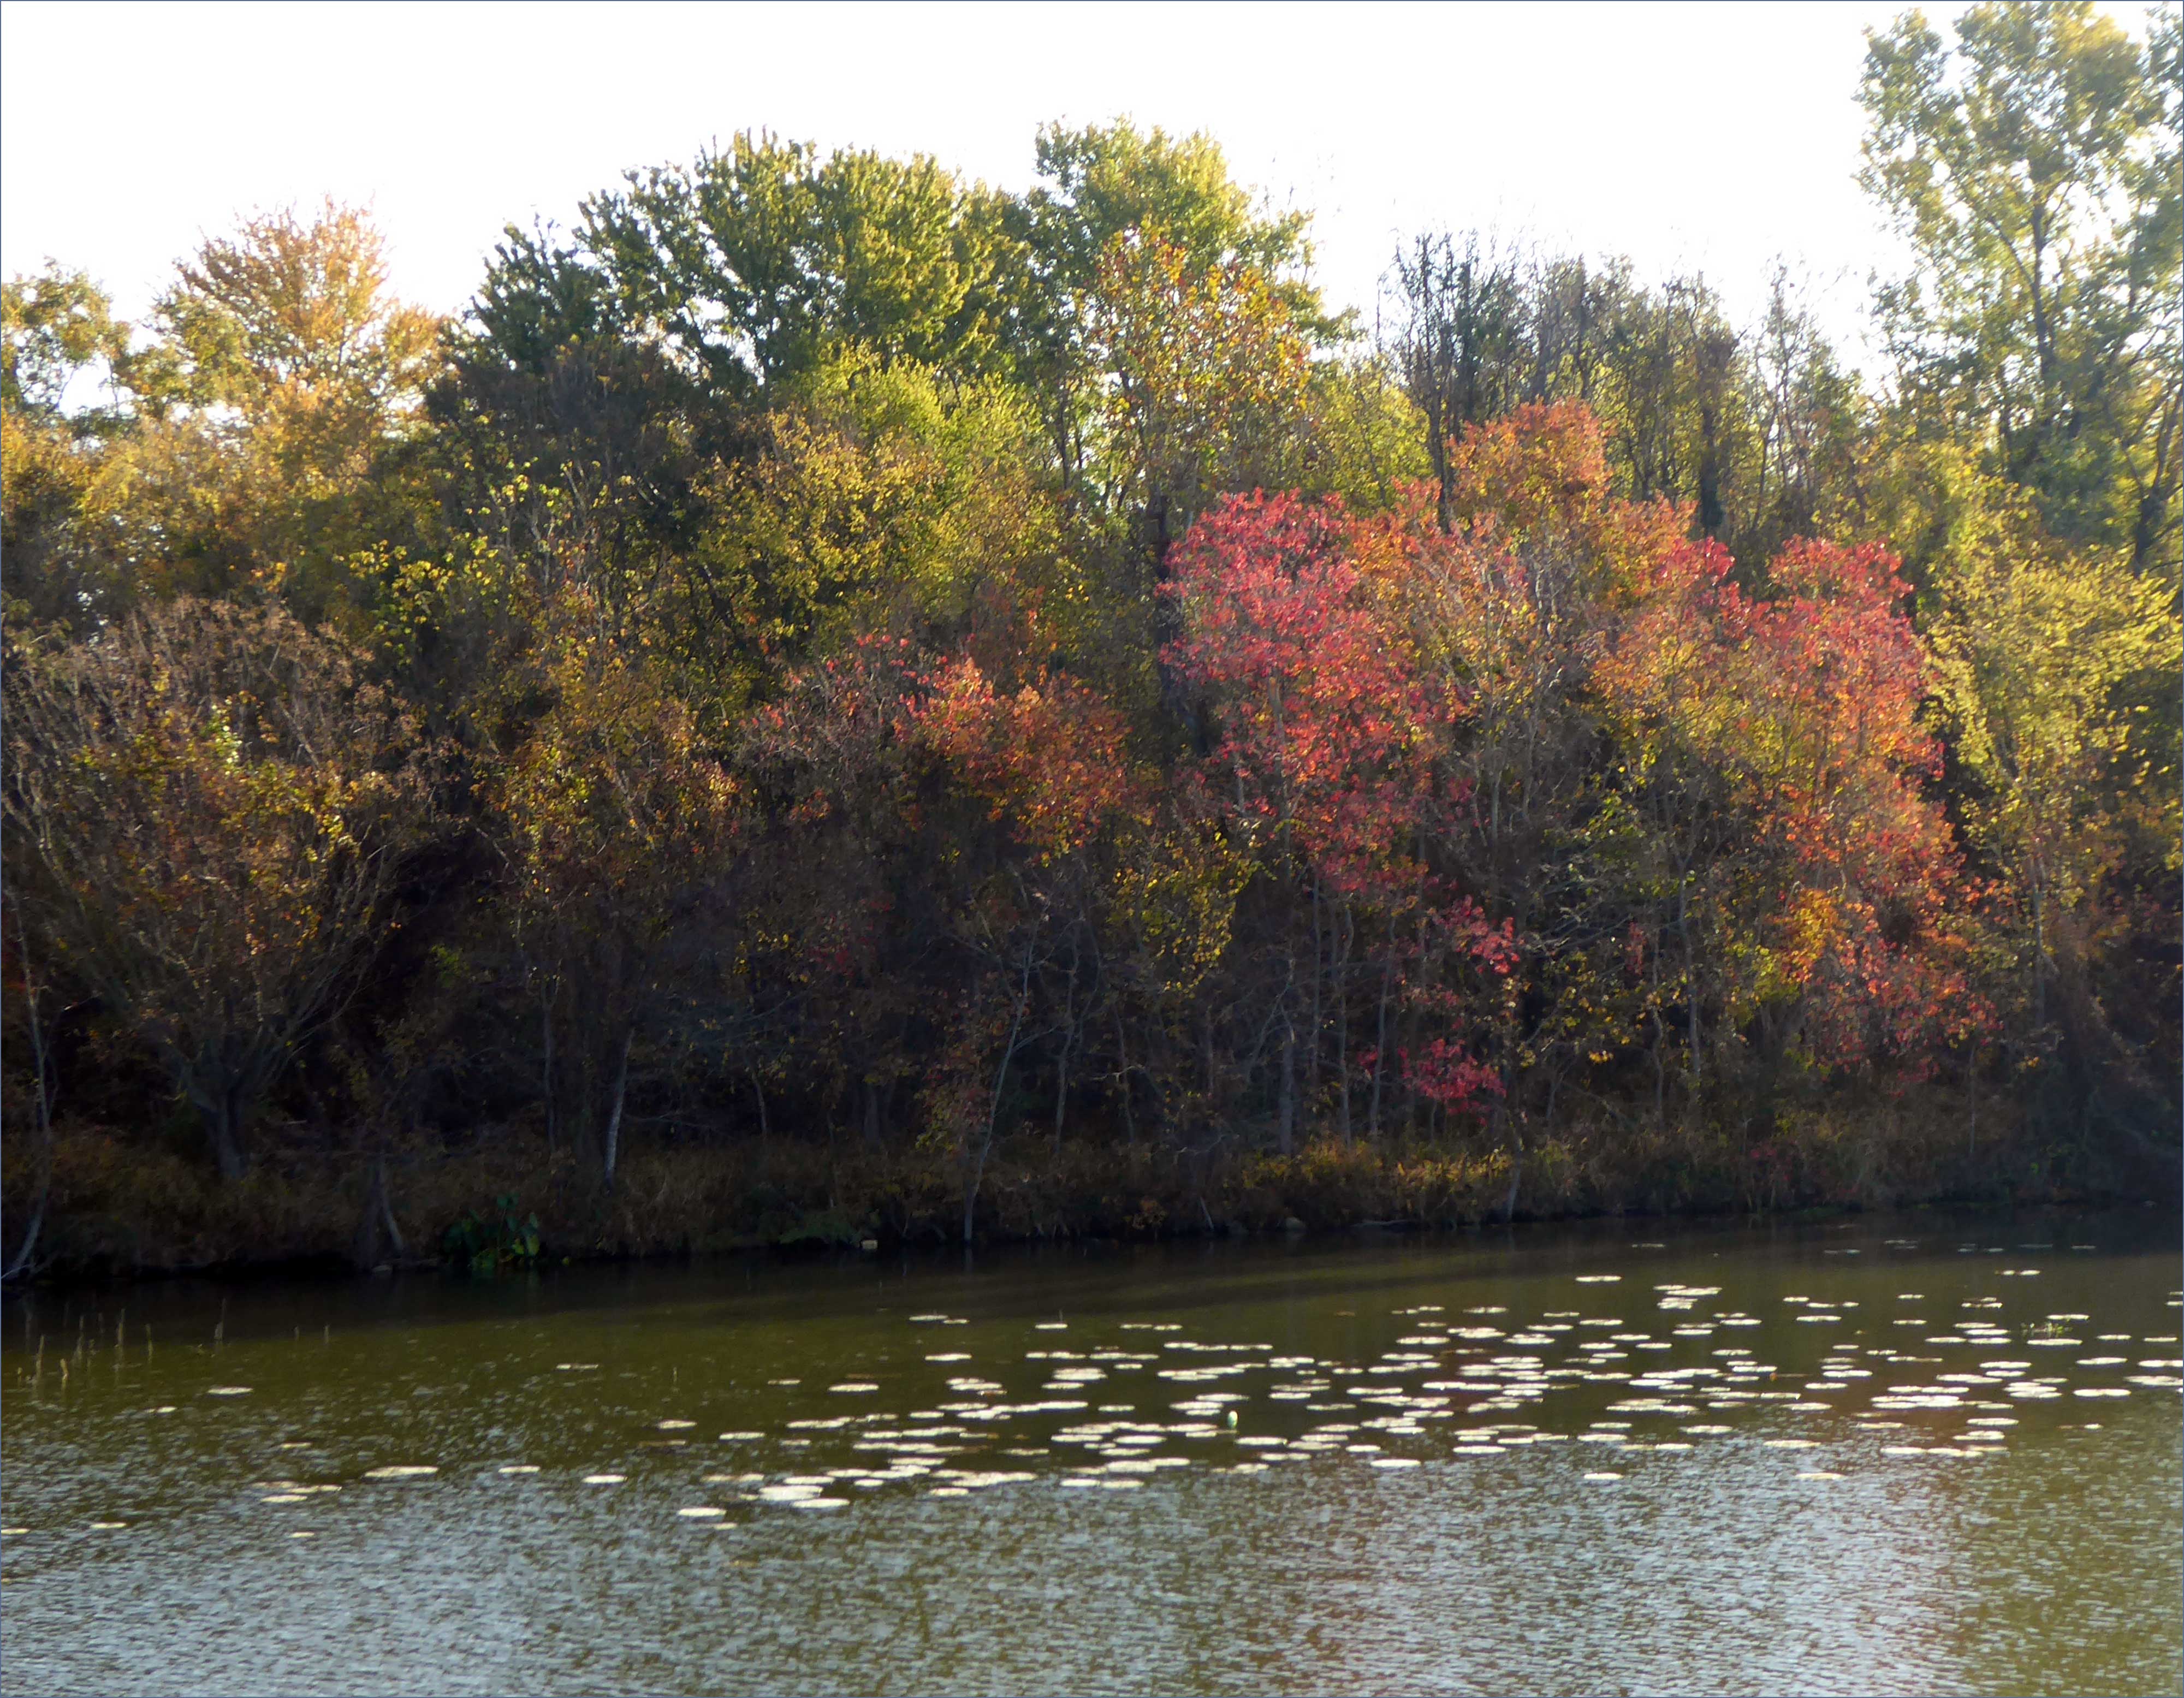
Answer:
(615, 826)
(60, 344)
(1207, 381)
(2059, 670)
(286, 372)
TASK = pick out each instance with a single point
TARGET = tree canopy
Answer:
(827, 656)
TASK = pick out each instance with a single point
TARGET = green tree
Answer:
(2056, 692)
(61, 345)
(2033, 171)
(750, 263)
(1099, 185)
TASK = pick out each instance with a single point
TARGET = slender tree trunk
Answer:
(42, 1082)
(546, 1070)
(1406, 1018)
(1380, 1043)
(377, 1218)
(1660, 1069)
(1068, 1041)
(1314, 1019)
(1288, 1104)
(613, 1141)
(216, 1100)
(1691, 977)
(994, 1104)
(2039, 954)
(1971, 1084)
(387, 1209)
(1660, 1035)
(1122, 1079)
(1345, 929)
(21, 1259)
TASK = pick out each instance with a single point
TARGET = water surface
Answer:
(1913, 1455)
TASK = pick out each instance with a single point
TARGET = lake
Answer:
(1917, 1453)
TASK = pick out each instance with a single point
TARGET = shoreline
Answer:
(119, 1214)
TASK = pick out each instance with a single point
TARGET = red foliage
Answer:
(1051, 758)
(1808, 701)
(1330, 733)
(1327, 730)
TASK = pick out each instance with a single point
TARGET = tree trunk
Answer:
(1346, 930)
(21, 1259)
(1068, 1041)
(42, 1082)
(223, 1123)
(375, 1222)
(613, 1141)
(546, 1071)
(1289, 1087)
(1690, 977)
(993, 1107)
(1122, 1079)
(1971, 1087)
(1316, 1019)
(1380, 1044)
(1062, 1087)
(223, 1083)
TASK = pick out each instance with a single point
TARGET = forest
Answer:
(835, 703)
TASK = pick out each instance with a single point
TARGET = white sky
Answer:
(1717, 136)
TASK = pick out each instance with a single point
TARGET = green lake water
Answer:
(1907, 1454)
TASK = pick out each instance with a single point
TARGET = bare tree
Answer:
(205, 812)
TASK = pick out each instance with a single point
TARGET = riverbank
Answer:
(122, 1205)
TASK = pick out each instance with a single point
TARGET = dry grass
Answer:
(150, 1201)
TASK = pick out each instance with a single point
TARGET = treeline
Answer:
(828, 659)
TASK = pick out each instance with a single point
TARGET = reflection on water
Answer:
(1929, 1456)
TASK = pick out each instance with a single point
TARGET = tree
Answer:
(1206, 379)
(1048, 764)
(750, 265)
(1330, 740)
(1099, 185)
(1459, 344)
(206, 813)
(60, 344)
(618, 831)
(1812, 710)
(285, 380)
(294, 312)
(1367, 439)
(2033, 172)
(1750, 428)
(881, 499)
(58, 332)
(2056, 674)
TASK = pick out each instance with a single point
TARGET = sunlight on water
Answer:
(1335, 1469)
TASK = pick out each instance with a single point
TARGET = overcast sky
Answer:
(1717, 137)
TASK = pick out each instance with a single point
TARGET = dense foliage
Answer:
(830, 660)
